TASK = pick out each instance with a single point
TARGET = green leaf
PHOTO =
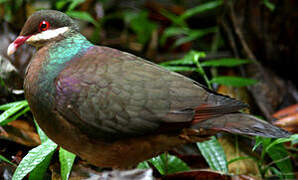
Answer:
(276, 172)
(85, 16)
(194, 35)
(172, 31)
(168, 164)
(174, 18)
(188, 34)
(43, 137)
(214, 154)
(60, 4)
(39, 171)
(269, 5)
(196, 56)
(240, 158)
(143, 165)
(200, 9)
(257, 143)
(18, 3)
(74, 4)
(34, 157)
(66, 161)
(282, 140)
(281, 158)
(233, 81)
(141, 25)
(225, 62)
(10, 105)
(14, 117)
(180, 68)
(12, 110)
(6, 160)
(186, 60)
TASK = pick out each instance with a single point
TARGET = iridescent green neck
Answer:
(64, 50)
(59, 53)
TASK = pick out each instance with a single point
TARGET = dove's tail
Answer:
(245, 124)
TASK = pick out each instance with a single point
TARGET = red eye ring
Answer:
(44, 25)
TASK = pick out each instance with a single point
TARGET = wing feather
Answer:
(112, 94)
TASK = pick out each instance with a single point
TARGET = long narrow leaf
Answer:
(34, 157)
(174, 18)
(282, 140)
(40, 170)
(239, 159)
(9, 112)
(261, 141)
(43, 137)
(172, 31)
(233, 81)
(74, 4)
(276, 172)
(186, 60)
(85, 16)
(214, 155)
(9, 105)
(6, 160)
(200, 9)
(194, 35)
(66, 161)
(180, 68)
(269, 5)
(225, 62)
(24, 111)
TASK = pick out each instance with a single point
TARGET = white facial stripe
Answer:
(48, 34)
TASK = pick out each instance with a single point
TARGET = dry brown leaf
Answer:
(20, 131)
(245, 166)
(287, 118)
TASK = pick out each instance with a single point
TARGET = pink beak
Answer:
(15, 44)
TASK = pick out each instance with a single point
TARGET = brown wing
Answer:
(112, 94)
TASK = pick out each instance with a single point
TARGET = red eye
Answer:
(44, 25)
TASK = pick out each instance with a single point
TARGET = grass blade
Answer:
(6, 160)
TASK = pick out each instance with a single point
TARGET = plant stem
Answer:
(201, 70)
